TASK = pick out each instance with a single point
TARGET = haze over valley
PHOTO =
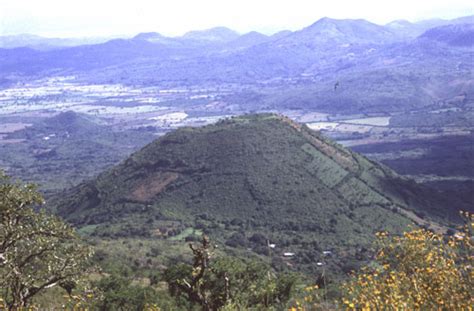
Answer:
(293, 151)
(361, 83)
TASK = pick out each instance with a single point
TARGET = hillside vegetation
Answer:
(248, 182)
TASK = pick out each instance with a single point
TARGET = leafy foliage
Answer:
(117, 293)
(37, 251)
(419, 270)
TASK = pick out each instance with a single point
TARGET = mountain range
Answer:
(42, 43)
(339, 37)
(401, 28)
(405, 64)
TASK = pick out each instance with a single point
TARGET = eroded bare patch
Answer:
(153, 185)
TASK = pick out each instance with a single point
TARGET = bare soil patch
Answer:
(153, 185)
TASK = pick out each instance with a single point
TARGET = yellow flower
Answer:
(429, 273)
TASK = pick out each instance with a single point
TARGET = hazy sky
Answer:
(63, 18)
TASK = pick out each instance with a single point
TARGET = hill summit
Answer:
(216, 34)
(257, 174)
(348, 31)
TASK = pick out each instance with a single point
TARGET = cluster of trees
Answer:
(39, 251)
(418, 270)
(228, 282)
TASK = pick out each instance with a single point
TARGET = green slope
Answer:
(247, 180)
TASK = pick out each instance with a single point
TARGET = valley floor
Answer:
(433, 145)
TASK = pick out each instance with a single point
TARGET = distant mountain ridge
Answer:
(247, 40)
(217, 34)
(456, 35)
(406, 29)
(343, 31)
(399, 28)
(43, 43)
(330, 50)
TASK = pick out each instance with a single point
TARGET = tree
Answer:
(225, 282)
(419, 270)
(37, 250)
(192, 283)
(119, 294)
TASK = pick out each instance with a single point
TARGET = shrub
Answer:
(419, 270)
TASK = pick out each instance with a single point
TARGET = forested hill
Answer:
(257, 174)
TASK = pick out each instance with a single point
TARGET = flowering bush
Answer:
(419, 270)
